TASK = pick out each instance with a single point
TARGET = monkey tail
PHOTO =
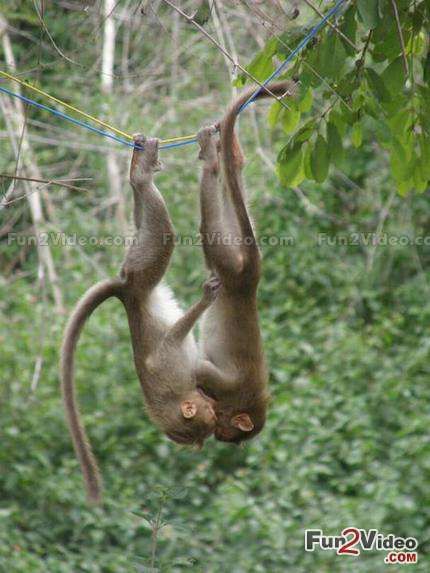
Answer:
(84, 308)
(230, 147)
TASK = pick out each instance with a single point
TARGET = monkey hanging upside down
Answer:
(234, 370)
(189, 395)
(165, 352)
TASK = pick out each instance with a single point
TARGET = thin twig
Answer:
(48, 33)
(6, 201)
(333, 26)
(264, 20)
(313, 209)
(58, 182)
(402, 41)
(156, 526)
(38, 362)
(385, 211)
(360, 62)
(191, 20)
(92, 261)
(220, 33)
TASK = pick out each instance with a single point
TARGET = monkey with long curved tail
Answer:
(165, 352)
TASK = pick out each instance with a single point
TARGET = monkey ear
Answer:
(243, 422)
(188, 409)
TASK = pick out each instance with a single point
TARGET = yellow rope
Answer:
(84, 114)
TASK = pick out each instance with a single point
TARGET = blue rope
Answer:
(178, 144)
(59, 113)
(294, 53)
(276, 73)
(63, 115)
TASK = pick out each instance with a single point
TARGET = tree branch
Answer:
(191, 20)
(402, 41)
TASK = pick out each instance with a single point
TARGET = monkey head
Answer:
(193, 420)
(236, 426)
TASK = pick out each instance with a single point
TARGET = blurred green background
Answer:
(345, 325)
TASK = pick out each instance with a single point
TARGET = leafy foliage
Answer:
(345, 320)
(377, 87)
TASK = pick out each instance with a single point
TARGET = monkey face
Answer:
(203, 408)
(227, 434)
(193, 422)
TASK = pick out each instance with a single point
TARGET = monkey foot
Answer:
(211, 288)
(205, 138)
(148, 156)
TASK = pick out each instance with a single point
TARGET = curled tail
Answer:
(227, 124)
(231, 154)
(87, 304)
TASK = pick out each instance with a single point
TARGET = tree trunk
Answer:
(112, 165)
(15, 120)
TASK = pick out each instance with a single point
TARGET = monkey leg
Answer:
(221, 254)
(236, 218)
(153, 243)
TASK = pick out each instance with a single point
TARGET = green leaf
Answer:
(305, 132)
(426, 68)
(320, 159)
(305, 103)
(424, 114)
(240, 81)
(393, 77)
(356, 135)
(416, 45)
(262, 66)
(424, 146)
(334, 142)
(349, 29)
(377, 86)
(418, 18)
(368, 11)
(399, 162)
(307, 161)
(347, 117)
(419, 176)
(386, 40)
(331, 57)
(203, 13)
(404, 187)
(338, 120)
(290, 163)
(358, 100)
(399, 122)
(273, 115)
(290, 119)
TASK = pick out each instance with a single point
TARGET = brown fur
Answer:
(235, 371)
(165, 353)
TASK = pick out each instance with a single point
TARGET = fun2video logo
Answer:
(351, 541)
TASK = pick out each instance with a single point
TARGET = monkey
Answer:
(164, 349)
(234, 370)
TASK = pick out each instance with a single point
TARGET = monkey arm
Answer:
(211, 378)
(183, 326)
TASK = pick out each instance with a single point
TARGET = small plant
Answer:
(156, 523)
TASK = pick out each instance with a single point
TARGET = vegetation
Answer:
(371, 73)
(344, 298)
